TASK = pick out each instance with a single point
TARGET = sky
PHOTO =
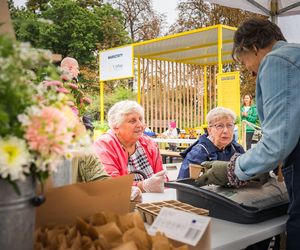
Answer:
(289, 25)
(166, 7)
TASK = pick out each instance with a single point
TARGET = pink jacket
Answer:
(115, 159)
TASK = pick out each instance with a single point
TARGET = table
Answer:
(172, 170)
(168, 154)
(227, 235)
(174, 140)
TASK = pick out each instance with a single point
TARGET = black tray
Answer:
(222, 207)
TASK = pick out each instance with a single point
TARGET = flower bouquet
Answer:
(37, 127)
(37, 124)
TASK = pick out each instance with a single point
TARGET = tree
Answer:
(89, 3)
(112, 32)
(68, 29)
(195, 14)
(37, 6)
(141, 21)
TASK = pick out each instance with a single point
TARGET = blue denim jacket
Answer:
(278, 106)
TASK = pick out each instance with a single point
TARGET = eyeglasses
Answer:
(221, 127)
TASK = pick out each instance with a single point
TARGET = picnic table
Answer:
(165, 153)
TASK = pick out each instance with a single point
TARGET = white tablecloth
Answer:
(227, 235)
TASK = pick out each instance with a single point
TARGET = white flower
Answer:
(34, 111)
(24, 119)
(14, 158)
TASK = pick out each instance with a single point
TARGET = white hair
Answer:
(120, 110)
(218, 113)
(67, 61)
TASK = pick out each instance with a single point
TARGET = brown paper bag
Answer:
(64, 204)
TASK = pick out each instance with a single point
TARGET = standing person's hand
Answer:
(216, 173)
(155, 184)
(261, 178)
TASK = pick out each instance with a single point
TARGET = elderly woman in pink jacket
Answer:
(124, 149)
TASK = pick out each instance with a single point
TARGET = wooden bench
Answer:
(168, 153)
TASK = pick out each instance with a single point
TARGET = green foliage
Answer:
(112, 33)
(27, 27)
(103, 126)
(37, 5)
(89, 3)
(73, 32)
(70, 28)
(119, 94)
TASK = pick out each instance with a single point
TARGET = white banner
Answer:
(116, 63)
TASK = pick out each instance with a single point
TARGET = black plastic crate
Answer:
(224, 208)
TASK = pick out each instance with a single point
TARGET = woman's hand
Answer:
(155, 184)
(136, 194)
(245, 114)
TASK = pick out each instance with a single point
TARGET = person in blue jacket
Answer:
(261, 47)
(217, 144)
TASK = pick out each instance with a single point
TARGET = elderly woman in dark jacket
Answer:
(218, 144)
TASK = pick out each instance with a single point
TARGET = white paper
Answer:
(179, 225)
(116, 63)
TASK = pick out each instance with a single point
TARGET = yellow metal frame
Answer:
(158, 56)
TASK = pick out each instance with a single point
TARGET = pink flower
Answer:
(63, 90)
(72, 85)
(75, 110)
(48, 133)
(87, 100)
(66, 75)
(53, 83)
(70, 103)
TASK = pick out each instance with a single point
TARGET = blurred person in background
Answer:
(249, 114)
(70, 71)
(171, 133)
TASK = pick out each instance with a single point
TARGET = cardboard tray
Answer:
(149, 211)
(222, 207)
(64, 204)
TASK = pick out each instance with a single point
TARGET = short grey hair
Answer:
(117, 113)
(67, 61)
(218, 113)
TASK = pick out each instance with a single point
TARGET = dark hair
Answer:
(255, 33)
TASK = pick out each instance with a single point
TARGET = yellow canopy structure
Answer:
(175, 75)
(206, 46)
